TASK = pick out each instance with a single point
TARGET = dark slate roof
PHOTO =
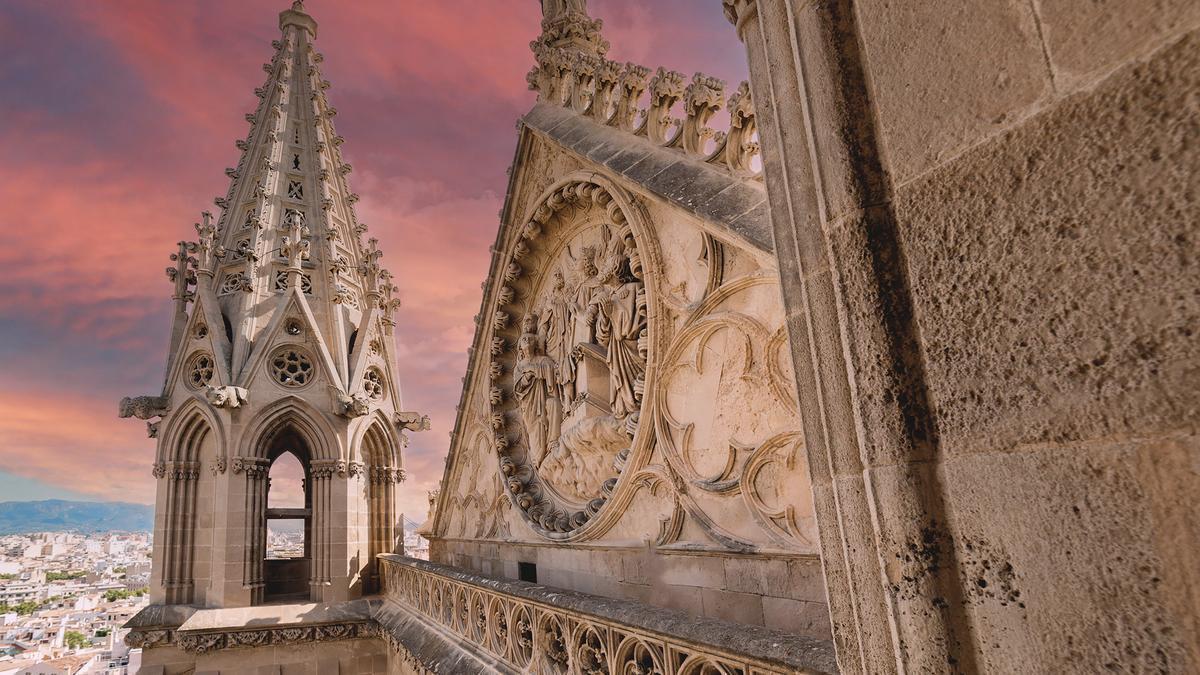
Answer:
(734, 204)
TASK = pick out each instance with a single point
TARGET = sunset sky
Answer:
(117, 119)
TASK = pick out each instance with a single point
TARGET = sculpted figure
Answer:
(226, 397)
(620, 318)
(554, 324)
(536, 390)
(353, 406)
(143, 407)
(413, 421)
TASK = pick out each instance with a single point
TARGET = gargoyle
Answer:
(227, 397)
(143, 407)
(413, 421)
(353, 406)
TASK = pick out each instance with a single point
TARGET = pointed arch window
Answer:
(287, 554)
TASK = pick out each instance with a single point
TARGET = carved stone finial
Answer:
(372, 273)
(295, 247)
(566, 23)
(183, 275)
(206, 248)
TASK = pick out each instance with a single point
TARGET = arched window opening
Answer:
(288, 521)
(381, 496)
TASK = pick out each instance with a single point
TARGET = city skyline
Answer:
(119, 144)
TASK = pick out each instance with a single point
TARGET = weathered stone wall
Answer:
(986, 214)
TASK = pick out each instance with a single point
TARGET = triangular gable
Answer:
(212, 340)
(292, 304)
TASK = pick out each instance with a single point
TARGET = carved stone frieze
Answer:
(610, 93)
(200, 643)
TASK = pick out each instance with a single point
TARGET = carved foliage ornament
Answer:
(570, 357)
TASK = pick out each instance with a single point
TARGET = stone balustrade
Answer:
(612, 94)
(518, 627)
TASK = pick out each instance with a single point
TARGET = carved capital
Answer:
(253, 467)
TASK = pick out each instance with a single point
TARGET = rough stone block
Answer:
(1091, 568)
(797, 616)
(1054, 268)
(1084, 37)
(707, 572)
(936, 93)
(730, 606)
(756, 575)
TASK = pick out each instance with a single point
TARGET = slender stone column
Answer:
(181, 478)
(254, 551)
(322, 475)
(871, 437)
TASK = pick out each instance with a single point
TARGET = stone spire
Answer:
(287, 221)
(280, 344)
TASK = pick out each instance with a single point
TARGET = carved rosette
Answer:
(570, 356)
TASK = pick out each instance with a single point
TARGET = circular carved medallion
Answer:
(569, 348)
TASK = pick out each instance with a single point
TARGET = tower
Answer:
(281, 344)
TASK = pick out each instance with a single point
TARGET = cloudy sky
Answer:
(117, 119)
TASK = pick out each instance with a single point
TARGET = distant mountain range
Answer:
(57, 515)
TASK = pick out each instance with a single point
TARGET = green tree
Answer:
(74, 639)
(65, 576)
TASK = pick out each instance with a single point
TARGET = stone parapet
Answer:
(206, 630)
(515, 626)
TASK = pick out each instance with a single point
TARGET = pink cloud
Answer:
(103, 180)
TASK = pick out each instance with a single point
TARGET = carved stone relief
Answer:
(570, 341)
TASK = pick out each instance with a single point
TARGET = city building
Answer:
(910, 392)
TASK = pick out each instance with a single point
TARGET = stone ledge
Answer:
(795, 652)
(196, 630)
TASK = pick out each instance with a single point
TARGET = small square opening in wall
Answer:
(527, 572)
